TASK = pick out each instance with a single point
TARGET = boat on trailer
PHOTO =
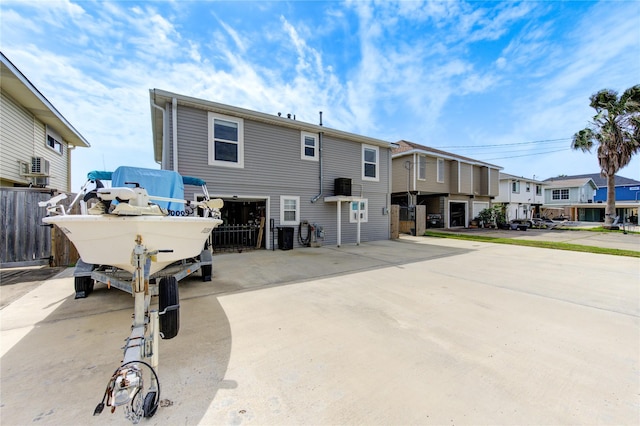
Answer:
(142, 236)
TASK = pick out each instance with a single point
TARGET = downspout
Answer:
(389, 186)
(317, 197)
(164, 133)
(174, 135)
(414, 177)
(69, 149)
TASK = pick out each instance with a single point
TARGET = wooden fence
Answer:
(24, 239)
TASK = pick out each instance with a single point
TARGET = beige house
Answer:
(35, 139)
(452, 187)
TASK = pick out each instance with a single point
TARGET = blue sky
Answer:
(503, 82)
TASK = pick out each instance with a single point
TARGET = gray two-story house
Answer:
(277, 170)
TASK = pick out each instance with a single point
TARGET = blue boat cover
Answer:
(161, 183)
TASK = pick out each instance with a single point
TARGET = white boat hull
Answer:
(110, 239)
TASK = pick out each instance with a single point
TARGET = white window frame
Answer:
(422, 167)
(557, 194)
(53, 141)
(303, 146)
(376, 178)
(538, 189)
(440, 167)
(240, 142)
(359, 207)
(283, 199)
(527, 186)
(515, 186)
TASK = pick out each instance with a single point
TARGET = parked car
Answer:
(520, 224)
(434, 220)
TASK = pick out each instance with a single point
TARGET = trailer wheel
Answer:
(83, 286)
(150, 405)
(169, 298)
(206, 272)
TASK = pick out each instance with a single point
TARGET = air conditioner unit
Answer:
(41, 181)
(25, 168)
(39, 166)
(342, 186)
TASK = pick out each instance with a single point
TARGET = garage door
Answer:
(478, 206)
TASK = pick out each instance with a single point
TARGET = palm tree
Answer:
(615, 130)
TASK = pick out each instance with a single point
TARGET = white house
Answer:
(522, 197)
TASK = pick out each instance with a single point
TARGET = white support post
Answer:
(358, 226)
(339, 203)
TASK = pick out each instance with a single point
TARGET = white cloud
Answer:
(401, 70)
(240, 44)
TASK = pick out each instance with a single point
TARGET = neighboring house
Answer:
(283, 170)
(521, 197)
(455, 187)
(35, 161)
(626, 189)
(36, 139)
(588, 204)
(564, 197)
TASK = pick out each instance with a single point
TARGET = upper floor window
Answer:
(528, 187)
(422, 167)
(440, 166)
(538, 189)
(560, 194)
(54, 140)
(226, 141)
(370, 162)
(54, 144)
(309, 146)
(359, 208)
(515, 186)
(289, 210)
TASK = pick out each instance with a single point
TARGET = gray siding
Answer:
(273, 167)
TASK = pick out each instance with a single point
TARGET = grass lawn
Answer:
(535, 243)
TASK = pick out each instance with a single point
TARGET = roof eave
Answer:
(24, 92)
(447, 157)
(159, 97)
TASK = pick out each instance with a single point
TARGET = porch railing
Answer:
(235, 237)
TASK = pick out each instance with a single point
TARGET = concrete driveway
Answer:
(416, 331)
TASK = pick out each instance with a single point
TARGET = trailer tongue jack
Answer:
(126, 387)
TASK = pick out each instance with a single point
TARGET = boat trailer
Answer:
(134, 385)
(126, 386)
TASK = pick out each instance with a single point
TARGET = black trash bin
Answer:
(285, 237)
